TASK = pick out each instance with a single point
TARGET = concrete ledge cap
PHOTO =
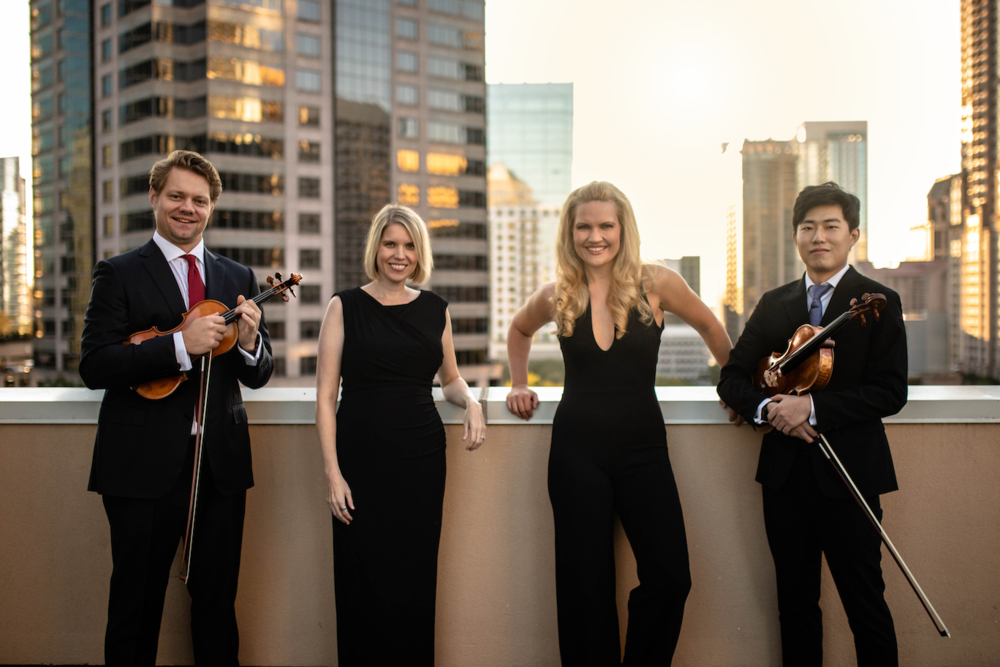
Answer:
(680, 405)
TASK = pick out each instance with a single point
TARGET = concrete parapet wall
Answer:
(496, 591)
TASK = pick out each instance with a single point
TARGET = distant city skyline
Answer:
(658, 87)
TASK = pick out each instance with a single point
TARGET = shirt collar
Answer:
(172, 252)
(832, 281)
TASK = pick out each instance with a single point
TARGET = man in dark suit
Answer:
(807, 509)
(144, 454)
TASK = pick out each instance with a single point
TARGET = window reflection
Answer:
(408, 160)
(247, 109)
(249, 72)
(408, 194)
(442, 197)
(442, 164)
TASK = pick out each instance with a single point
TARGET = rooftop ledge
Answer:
(680, 405)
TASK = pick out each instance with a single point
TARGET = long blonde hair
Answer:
(417, 229)
(628, 273)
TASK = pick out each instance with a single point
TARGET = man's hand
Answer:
(733, 416)
(805, 432)
(786, 413)
(204, 334)
(248, 323)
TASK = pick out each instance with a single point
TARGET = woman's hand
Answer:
(522, 401)
(339, 497)
(475, 425)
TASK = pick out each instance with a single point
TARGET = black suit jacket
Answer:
(868, 383)
(141, 443)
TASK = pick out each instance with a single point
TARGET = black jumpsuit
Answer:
(391, 449)
(609, 454)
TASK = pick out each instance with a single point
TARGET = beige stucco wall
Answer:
(496, 596)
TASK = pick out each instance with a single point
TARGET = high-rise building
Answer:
(410, 127)
(837, 151)
(732, 303)
(15, 251)
(522, 257)
(62, 178)
(770, 258)
(979, 166)
(947, 229)
(683, 355)
(531, 133)
(316, 114)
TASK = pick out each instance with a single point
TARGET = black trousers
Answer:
(145, 535)
(589, 481)
(802, 524)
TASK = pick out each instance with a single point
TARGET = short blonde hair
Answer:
(417, 228)
(191, 161)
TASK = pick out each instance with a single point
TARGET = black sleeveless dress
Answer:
(391, 450)
(609, 456)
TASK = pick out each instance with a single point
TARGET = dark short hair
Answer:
(828, 194)
(192, 162)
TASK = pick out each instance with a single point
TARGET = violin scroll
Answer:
(284, 288)
(870, 303)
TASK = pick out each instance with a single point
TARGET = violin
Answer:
(807, 364)
(163, 387)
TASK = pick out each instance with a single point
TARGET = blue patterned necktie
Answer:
(816, 293)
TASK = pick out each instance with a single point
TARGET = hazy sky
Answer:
(660, 84)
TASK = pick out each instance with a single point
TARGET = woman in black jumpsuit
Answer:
(609, 447)
(386, 340)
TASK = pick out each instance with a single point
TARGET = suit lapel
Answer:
(156, 264)
(849, 287)
(795, 302)
(215, 273)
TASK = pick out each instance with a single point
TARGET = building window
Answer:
(105, 15)
(108, 191)
(406, 61)
(276, 330)
(106, 155)
(106, 86)
(445, 36)
(106, 53)
(280, 369)
(307, 366)
(406, 28)
(408, 160)
(442, 197)
(409, 128)
(408, 3)
(308, 10)
(307, 45)
(109, 225)
(309, 116)
(106, 120)
(309, 223)
(309, 258)
(309, 293)
(408, 194)
(309, 329)
(308, 188)
(307, 81)
(408, 95)
(309, 151)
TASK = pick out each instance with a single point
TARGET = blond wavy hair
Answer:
(629, 275)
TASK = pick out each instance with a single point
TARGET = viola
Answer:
(163, 387)
(807, 364)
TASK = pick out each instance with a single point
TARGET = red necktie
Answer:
(196, 287)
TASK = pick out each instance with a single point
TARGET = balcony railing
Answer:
(496, 591)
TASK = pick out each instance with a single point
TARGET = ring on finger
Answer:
(343, 508)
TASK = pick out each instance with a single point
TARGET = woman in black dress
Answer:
(609, 446)
(385, 446)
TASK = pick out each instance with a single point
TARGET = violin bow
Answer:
(831, 456)
(202, 411)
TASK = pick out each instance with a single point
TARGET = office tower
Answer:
(411, 128)
(522, 257)
(531, 133)
(944, 216)
(837, 151)
(248, 84)
(15, 251)
(683, 355)
(979, 164)
(61, 178)
(770, 258)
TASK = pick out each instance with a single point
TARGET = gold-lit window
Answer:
(407, 193)
(108, 225)
(443, 164)
(442, 197)
(108, 191)
(438, 224)
(106, 157)
(408, 160)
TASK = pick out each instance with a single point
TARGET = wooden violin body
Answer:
(163, 387)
